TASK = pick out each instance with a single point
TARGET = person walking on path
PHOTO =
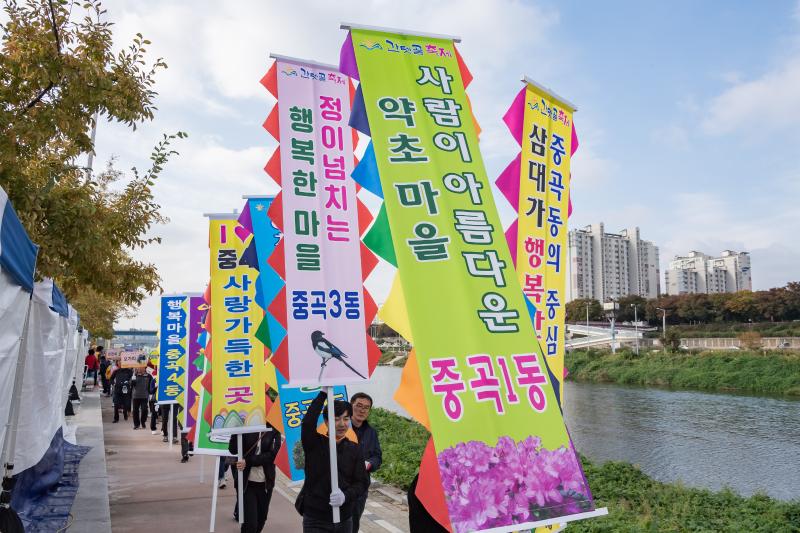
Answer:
(165, 422)
(104, 379)
(370, 448)
(258, 475)
(91, 365)
(121, 379)
(317, 498)
(151, 402)
(141, 388)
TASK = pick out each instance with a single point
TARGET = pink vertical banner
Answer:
(324, 287)
(194, 359)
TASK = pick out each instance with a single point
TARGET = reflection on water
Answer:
(704, 440)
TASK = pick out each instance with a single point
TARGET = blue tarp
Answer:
(44, 493)
(17, 251)
(59, 302)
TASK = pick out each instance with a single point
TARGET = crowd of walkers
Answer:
(358, 453)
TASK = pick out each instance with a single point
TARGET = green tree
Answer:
(626, 311)
(742, 306)
(693, 308)
(672, 340)
(576, 310)
(57, 72)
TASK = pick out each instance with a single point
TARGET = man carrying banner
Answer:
(258, 467)
(316, 499)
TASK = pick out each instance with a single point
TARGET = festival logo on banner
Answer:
(324, 292)
(504, 457)
(237, 360)
(536, 184)
(194, 362)
(172, 358)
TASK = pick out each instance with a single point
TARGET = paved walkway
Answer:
(90, 510)
(141, 480)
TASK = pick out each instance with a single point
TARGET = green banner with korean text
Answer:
(504, 455)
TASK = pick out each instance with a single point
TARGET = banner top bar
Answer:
(550, 93)
(351, 26)
(258, 197)
(301, 61)
(219, 216)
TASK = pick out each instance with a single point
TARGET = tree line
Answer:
(59, 73)
(773, 305)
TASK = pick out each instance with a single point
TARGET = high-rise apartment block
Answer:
(700, 273)
(610, 265)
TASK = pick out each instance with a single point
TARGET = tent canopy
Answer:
(17, 251)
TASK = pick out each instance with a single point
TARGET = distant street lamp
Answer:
(663, 322)
(610, 309)
(587, 320)
(636, 326)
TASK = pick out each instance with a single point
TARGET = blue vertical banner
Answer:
(294, 404)
(172, 358)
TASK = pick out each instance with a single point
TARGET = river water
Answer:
(747, 443)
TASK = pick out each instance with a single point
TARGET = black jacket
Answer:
(141, 386)
(370, 447)
(353, 480)
(270, 445)
(119, 378)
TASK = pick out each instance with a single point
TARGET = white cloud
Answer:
(771, 101)
(704, 222)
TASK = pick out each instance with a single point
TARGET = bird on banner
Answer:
(327, 351)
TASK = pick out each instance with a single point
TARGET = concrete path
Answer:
(90, 511)
(131, 479)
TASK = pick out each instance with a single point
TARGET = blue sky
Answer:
(688, 112)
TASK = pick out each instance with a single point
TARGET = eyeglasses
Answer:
(362, 407)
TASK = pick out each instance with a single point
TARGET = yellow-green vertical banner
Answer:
(543, 210)
(504, 456)
(237, 360)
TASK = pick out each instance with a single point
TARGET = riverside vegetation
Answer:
(635, 502)
(773, 373)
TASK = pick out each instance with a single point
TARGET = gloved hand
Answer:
(337, 498)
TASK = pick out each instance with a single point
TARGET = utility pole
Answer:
(663, 325)
(611, 312)
(636, 326)
(587, 320)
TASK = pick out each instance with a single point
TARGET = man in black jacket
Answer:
(258, 475)
(370, 448)
(318, 498)
(121, 378)
(140, 382)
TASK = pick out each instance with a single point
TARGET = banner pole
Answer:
(332, 449)
(213, 523)
(240, 476)
(169, 426)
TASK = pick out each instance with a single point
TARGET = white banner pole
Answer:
(332, 449)
(240, 476)
(213, 523)
(169, 427)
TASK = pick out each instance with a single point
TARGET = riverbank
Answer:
(635, 501)
(724, 371)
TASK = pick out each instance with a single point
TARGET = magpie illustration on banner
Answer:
(327, 351)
